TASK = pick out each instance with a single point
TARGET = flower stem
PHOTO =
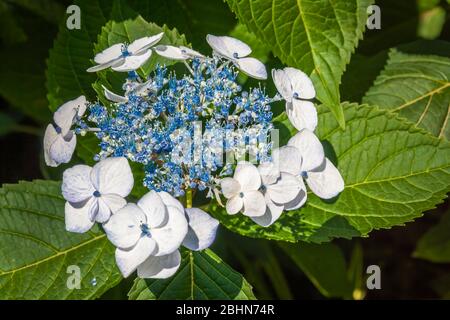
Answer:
(188, 198)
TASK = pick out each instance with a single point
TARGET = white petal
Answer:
(170, 236)
(299, 200)
(248, 176)
(283, 84)
(302, 114)
(287, 159)
(273, 212)
(65, 115)
(170, 52)
(254, 204)
(170, 201)
(202, 229)
(228, 46)
(234, 204)
(325, 181)
(103, 211)
(114, 202)
(111, 96)
(310, 148)
(49, 138)
(160, 267)
(109, 54)
(93, 208)
(77, 219)
(133, 62)
(154, 208)
(124, 227)
(252, 67)
(285, 189)
(62, 149)
(129, 260)
(269, 173)
(80, 102)
(301, 83)
(113, 63)
(191, 53)
(76, 186)
(140, 45)
(230, 187)
(113, 175)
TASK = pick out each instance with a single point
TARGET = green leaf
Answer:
(417, 87)
(431, 23)
(324, 265)
(317, 37)
(393, 172)
(22, 71)
(70, 56)
(36, 250)
(7, 123)
(202, 275)
(435, 243)
(194, 18)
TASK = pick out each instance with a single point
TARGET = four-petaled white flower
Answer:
(322, 177)
(177, 53)
(297, 89)
(123, 58)
(281, 189)
(92, 194)
(148, 235)
(237, 51)
(242, 191)
(59, 139)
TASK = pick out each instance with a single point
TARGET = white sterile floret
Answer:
(322, 177)
(59, 139)
(202, 227)
(297, 89)
(177, 53)
(123, 58)
(279, 188)
(242, 191)
(237, 51)
(93, 194)
(148, 236)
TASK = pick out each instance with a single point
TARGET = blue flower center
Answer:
(96, 194)
(145, 230)
(263, 188)
(235, 55)
(295, 95)
(241, 194)
(57, 129)
(125, 52)
(304, 174)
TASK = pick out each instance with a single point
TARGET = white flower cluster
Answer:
(147, 234)
(263, 193)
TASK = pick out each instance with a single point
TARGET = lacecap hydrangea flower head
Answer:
(189, 132)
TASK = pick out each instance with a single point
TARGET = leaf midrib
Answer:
(49, 258)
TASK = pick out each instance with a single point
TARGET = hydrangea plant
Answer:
(213, 149)
(191, 132)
